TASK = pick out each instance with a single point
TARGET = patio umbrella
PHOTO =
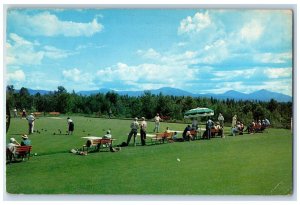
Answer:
(199, 112)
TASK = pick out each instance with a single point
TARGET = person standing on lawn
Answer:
(70, 126)
(157, 120)
(30, 118)
(143, 131)
(15, 113)
(221, 120)
(134, 129)
(234, 121)
(209, 125)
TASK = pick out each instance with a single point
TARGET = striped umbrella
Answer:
(198, 112)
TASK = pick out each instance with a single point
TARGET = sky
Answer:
(197, 50)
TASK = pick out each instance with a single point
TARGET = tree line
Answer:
(147, 105)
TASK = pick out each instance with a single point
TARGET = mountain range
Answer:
(260, 95)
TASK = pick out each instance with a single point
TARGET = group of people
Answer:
(238, 127)
(135, 126)
(13, 144)
(258, 126)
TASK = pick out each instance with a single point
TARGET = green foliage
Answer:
(148, 105)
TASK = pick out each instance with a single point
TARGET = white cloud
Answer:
(194, 24)
(47, 24)
(251, 31)
(23, 52)
(234, 74)
(17, 75)
(77, 76)
(278, 72)
(145, 74)
(215, 52)
(55, 53)
(273, 57)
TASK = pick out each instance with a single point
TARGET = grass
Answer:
(259, 164)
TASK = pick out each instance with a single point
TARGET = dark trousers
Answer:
(30, 128)
(208, 133)
(143, 137)
(134, 133)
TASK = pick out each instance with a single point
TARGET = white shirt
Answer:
(144, 125)
(157, 119)
(30, 118)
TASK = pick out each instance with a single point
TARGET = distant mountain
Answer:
(42, 92)
(261, 95)
(94, 92)
(265, 95)
(171, 91)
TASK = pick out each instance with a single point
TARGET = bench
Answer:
(162, 137)
(194, 133)
(216, 132)
(97, 144)
(37, 114)
(54, 113)
(21, 152)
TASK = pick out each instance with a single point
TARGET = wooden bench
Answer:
(194, 133)
(21, 152)
(37, 114)
(162, 137)
(54, 113)
(97, 144)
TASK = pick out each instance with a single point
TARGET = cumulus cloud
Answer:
(77, 76)
(194, 24)
(17, 75)
(251, 31)
(47, 24)
(145, 74)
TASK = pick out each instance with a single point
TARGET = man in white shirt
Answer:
(134, 129)
(107, 135)
(30, 118)
(143, 131)
(157, 119)
(11, 146)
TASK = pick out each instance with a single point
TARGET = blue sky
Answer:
(197, 50)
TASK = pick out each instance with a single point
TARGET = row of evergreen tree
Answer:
(147, 105)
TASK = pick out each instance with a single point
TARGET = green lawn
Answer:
(258, 164)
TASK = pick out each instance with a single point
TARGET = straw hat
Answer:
(24, 136)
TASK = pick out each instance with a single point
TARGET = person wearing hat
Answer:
(143, 131)
(221, 120)
(134, 126)
(30, 118)
(107, 135)
(70, 126)
(11, 146)
(157, 119)
(25, 141)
